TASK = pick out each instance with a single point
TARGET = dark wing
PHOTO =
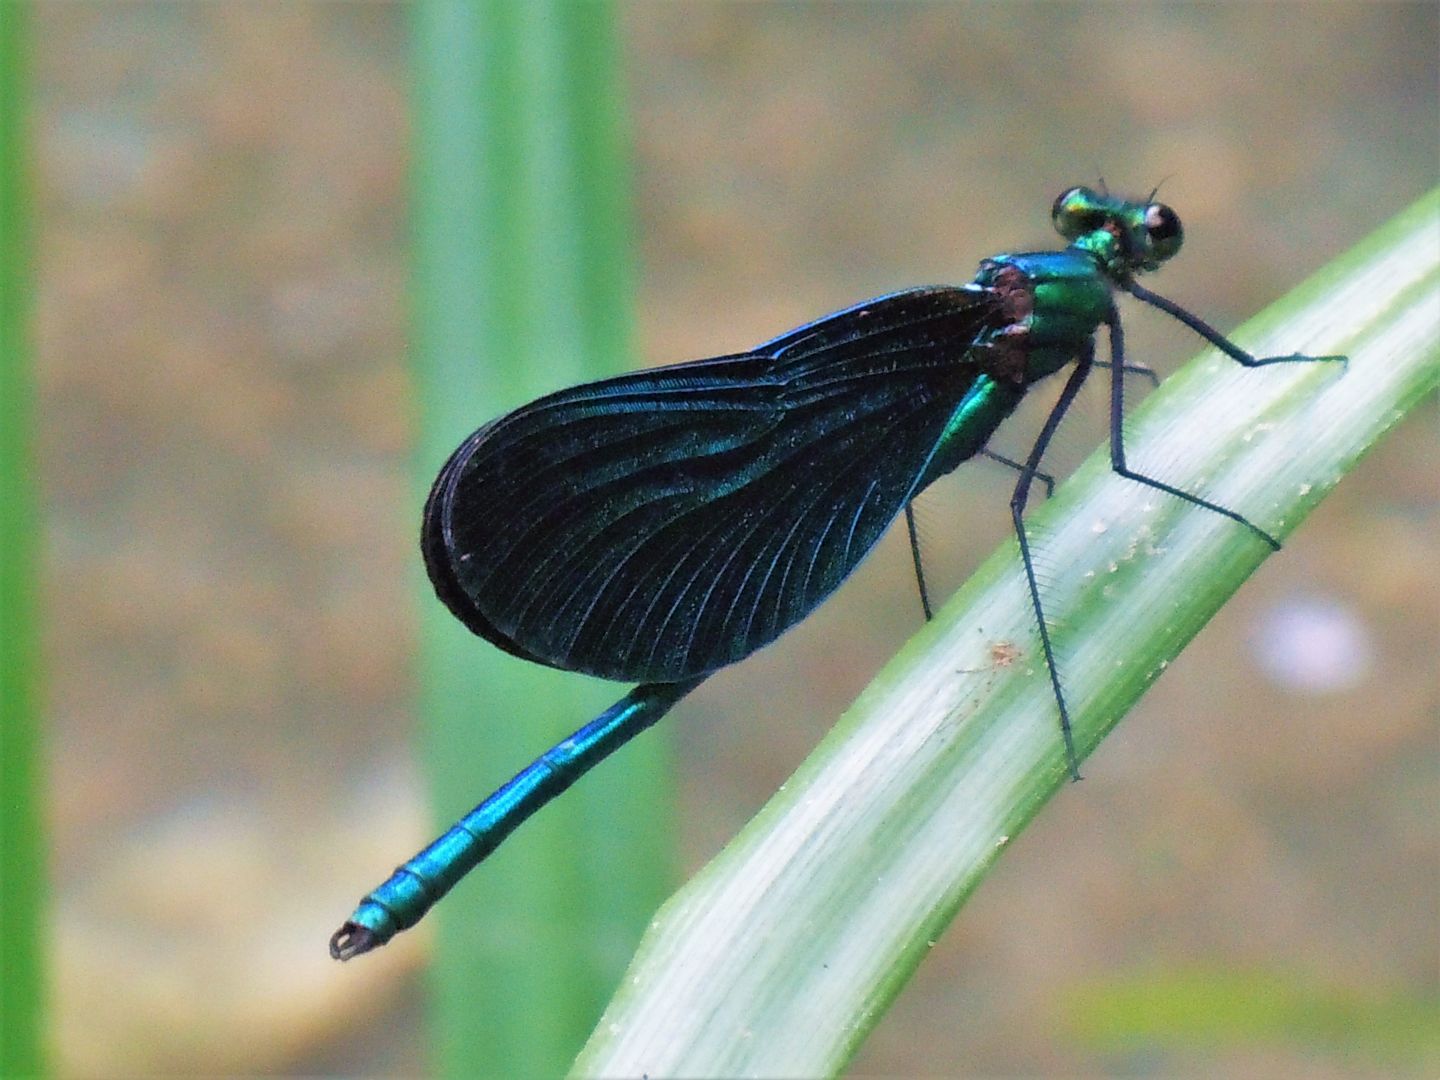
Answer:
(660, 525)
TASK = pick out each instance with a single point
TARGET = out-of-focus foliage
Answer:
(225, 426)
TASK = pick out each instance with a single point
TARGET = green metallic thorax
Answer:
(1057, 300)
(1069, 297)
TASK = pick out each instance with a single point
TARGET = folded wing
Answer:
(660, 525)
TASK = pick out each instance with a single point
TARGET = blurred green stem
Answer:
(781, 955)
(22, 875)
(522, 284)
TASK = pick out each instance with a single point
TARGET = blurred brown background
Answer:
(225, 427)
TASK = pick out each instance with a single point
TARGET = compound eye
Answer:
(1162, 229)
(1077, 212)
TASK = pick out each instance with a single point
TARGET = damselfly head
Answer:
(1126, 236)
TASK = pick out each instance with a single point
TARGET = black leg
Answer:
(1044, 478)
(915, 554)
(1134, 369)
(1017, 515)
(1117, 437)
(1210, 334)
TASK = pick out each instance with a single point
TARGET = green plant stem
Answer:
(522, 284)
(780, 956)
(22, 874)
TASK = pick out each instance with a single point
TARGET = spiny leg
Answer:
(1017, 515)
(1117, 432)
(1219, 340)
(914, 532)
(1044, 478)
(1133, 369)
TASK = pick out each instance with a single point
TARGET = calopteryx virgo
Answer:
(661, 525)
